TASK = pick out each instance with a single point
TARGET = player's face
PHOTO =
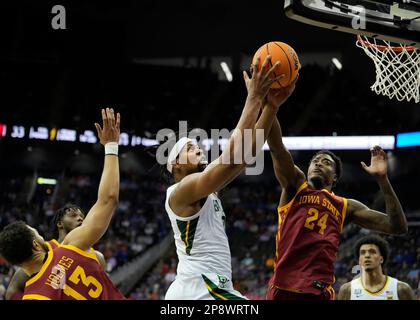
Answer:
(39, 239)
(370, 257)
(192, 158)
(322, 167)
(72, 219)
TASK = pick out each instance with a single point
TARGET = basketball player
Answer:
(311, 218)
(64, 220)
(71, 271)
(372, 253)
(192, 204)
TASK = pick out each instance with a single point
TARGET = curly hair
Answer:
(380, 242)
(337, 161)
(58, 216)
(16, 242)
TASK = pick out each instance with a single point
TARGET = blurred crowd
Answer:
(251, 228)
(140, 222)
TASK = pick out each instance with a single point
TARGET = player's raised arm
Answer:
(16, 285)
(97, 220)
(197, 186)
(287, 174)
(394, 220)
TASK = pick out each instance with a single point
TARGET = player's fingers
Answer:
(382, 153)
(278, 78)
(118, 121)
(108, 117)
(265, 64)
(245, 74)
(104, 120)
(364, 166)
(112, 117)
(256, 65)
(98, 129)
(272, 69)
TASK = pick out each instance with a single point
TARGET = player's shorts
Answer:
(274, 293)
(209, 286)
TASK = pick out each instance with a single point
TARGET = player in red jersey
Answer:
(71, 271)
(311, 217)
(65, 220)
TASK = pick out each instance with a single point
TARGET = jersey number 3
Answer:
(313, 215)
(77, 275)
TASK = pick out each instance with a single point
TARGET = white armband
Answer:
(111, 148)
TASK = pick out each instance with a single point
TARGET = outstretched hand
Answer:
(110, 131)
(261, 79)
(378, 163)
(276, 97)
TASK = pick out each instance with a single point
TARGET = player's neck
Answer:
(33, 266)
(61, 238)
(373, 278)
(316, 184)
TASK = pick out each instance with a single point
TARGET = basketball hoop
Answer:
(397, 68)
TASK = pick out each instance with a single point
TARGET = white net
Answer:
(397, 68)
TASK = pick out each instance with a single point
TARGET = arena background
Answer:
(158, 63)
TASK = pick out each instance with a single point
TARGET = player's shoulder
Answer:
(401, 285)
(405, 292)
(346, 286)
(345, 291)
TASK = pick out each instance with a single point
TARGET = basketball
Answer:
(289, 61)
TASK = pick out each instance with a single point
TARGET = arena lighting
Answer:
(39, 133)
(409, 139)
(337, 63)
(46, 181)
(66, 135)
(292, 143)
(3, 130)
(338, 142)
(226, 70)
(332, 142)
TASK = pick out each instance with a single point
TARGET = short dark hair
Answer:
(16, 242)
(58, 216)
(337, 161)
(380, 242)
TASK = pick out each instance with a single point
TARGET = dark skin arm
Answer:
(218, 173)
(289, 176)
(17, 284)
(405, 292)
(391, 222)
(97, 220)
(345, 292)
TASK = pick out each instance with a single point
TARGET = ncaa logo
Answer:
(295, 58)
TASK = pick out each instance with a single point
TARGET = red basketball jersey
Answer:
(53, 243)
(70, 273)
(307, 240)
(18, 295)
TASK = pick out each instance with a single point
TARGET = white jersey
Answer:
(388, 292)
(201, 242)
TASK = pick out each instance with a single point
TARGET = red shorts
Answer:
(279, 294)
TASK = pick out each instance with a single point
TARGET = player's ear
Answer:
(335, 179)
(382, 260)
(36, 246)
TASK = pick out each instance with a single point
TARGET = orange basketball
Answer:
(289, 61)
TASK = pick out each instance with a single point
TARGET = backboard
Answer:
(393, 20)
